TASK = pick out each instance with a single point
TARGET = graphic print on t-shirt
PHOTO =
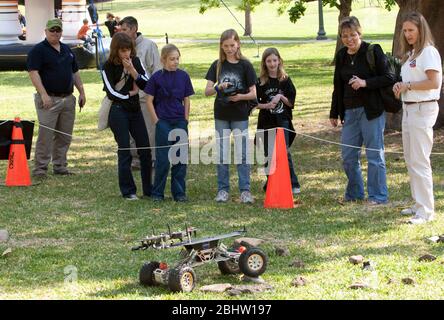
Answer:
(271, 93)
(236, 83)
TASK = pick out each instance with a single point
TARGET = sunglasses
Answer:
(52, 30)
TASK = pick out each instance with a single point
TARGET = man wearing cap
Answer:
(54, 71)
(148, 53)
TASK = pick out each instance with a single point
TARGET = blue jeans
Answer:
(284, 124)
(163, 161)
(223, 132)
(357, 130)
(122, 124)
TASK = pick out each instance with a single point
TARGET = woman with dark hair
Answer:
(420, 91)
(125, 116)
(358, 104)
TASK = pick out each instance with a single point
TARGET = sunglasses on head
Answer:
(52, 30)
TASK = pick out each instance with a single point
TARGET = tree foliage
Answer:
(295, 8)
(207, 4)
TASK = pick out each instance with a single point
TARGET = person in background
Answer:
(117, 28)
(420, 91)
(83, 34)
(110, 23)
(21, 19)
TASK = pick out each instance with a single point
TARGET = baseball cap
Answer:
(54, 23)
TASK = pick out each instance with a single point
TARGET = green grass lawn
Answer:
(81, 223)
(155, 19)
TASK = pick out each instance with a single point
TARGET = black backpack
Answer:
(391, 103)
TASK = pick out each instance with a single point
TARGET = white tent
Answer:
(37, 13)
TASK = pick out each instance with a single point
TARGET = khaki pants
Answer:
(151, 129)
(51, 144)
(417, 139)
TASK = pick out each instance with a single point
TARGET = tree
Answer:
(433, 11)
(247, 6)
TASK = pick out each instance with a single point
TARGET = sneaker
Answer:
(64, 173)
(222, 196)
(375, 203)
(246, 197)
(296, 191)
(417, 220)
(39, 175)
(131, 197)
(181, 199)
(156, 198)
(408, 212)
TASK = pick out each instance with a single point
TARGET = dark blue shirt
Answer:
(55, 68)
(169, 88)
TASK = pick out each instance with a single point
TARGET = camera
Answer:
(233, 88)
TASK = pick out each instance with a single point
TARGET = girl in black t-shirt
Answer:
(276, 95)
(232, 78)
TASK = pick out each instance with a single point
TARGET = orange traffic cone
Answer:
(17, 173)
(279, 193)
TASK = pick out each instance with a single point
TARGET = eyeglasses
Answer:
(52, 30)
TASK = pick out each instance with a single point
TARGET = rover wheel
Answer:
(253, 262)
(182, 279)
(146, 274)
(228, 267)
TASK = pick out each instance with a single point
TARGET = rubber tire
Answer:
(146, 274)
(226, 267)
(176, 276)
(244, 260)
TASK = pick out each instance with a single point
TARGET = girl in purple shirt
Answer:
(168, 102)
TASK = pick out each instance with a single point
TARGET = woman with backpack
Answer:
(420, 91)
(358, 104)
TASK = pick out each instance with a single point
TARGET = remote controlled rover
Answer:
(251, 261)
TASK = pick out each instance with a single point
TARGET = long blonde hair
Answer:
(425, 37)
(227, 34)
(281, 74)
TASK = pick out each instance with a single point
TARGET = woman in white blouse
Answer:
(420, 91)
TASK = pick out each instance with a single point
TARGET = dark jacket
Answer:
(372, 100)
(111, 75)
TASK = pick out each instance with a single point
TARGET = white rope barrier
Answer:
(241, 135)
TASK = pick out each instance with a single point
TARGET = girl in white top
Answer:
(420, 90)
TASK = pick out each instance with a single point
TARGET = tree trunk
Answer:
(433, 11)
(345, 7)
(405, 6)
(248, 24)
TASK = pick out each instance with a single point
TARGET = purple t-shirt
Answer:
(169, 88)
